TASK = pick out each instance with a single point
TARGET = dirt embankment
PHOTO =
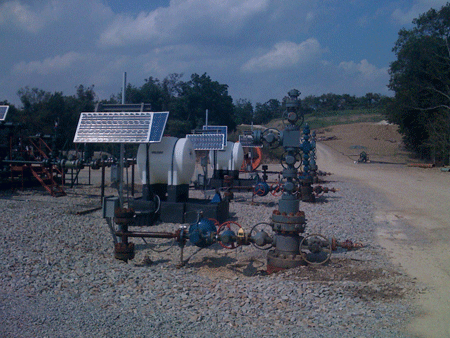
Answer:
(381, 141)
(414, 221)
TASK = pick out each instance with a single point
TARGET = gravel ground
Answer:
(59, 277)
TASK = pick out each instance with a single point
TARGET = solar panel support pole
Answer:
(122, 147)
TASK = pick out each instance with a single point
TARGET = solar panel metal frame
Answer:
(121, 127)
(206, 141)
(219, 130)
(3, 112)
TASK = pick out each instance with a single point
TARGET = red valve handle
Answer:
(227, 225)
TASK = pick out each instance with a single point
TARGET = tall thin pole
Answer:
(122, 147)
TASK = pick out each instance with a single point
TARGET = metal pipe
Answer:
(147, 234)
(122, 148)
(103, 182)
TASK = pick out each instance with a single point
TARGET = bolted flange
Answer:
(124, 251)
(278, 261)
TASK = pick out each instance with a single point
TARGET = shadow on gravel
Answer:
(326, 199)
(356, 277)
(213, 262)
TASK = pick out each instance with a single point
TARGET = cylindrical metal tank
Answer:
(171, 161)
(230, 158)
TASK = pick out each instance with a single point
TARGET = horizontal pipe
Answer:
(147, 234)
(22, 162)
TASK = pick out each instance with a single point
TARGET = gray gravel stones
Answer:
(59, 277)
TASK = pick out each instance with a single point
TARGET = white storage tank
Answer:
(171, 161)
(230, 158)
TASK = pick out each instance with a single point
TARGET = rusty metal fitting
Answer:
(123, 216)
(347, 244)
(228, 180)
(124, 251)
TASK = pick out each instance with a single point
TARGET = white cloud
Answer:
(404, 17)
(363, 69)
(29, 18)
(310, 17)
(53, 65)
(285, 55)
(360, 78)
(35, 16)
(198, 18)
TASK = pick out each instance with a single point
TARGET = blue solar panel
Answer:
(3, 112)
(158, 125)
(218, 130)
(120, 127)
(206, 141)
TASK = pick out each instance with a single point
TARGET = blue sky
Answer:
(259, 48)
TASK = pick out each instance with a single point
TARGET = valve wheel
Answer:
(262, 226)
(318, 194)
(301, 119)
(216, 222)
(315, 249)
(222, 227)
(298, 159)
(277, 142)
(259, 192)
(277, 189)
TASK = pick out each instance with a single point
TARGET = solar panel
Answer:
(121, 127)
(218, 130)
(158, 125)
(206, 141)
(3, 112)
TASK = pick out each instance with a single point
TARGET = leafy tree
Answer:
(201, 93)
(43, 111)
(186, 101)
(243, 111)
(420, 78)
(267, 111)
(336, 102)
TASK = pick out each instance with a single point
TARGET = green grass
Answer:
(331, 118)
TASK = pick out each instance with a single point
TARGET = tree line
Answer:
(187, 102)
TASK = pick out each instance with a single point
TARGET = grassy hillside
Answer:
(315, 120)
(332, 118)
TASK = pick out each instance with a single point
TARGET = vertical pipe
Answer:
(103, 181)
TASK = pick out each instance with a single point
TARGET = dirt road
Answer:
(414, 228)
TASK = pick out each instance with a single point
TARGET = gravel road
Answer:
(414, 229)
(59, 277)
